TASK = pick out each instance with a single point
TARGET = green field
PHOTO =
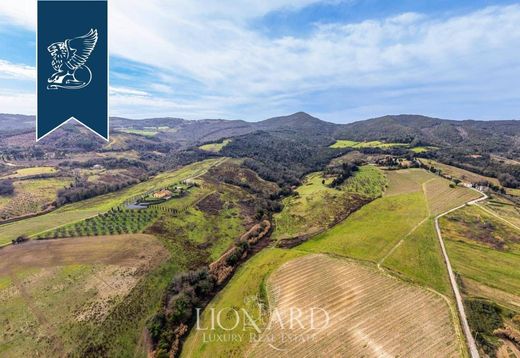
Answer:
(341, 143)
(87, 208)
(32, 171)
(245, 290)
(483, 248)
(419, 258)
(315, 205)
(372, 231)
(143, 132)
(504, 208)
(215, 147)
(423, 149)
(485, 253)
(396, 231)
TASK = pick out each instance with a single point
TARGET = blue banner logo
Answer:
(72, 65)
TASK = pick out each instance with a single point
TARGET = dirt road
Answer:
(458, 298)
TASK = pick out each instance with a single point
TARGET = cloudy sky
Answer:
(340, 60)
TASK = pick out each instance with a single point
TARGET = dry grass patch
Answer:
(51, 290)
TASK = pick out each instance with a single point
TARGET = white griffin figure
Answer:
(69, 59)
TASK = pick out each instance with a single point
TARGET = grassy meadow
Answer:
(315, 205)
(143, 132)
(24, 172)
(215, 147)
(342, 143)
(484, 249)
(31, 196)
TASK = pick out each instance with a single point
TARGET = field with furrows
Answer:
(441, 197)
(367, 310)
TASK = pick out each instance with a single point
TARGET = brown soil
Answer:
(123, 250)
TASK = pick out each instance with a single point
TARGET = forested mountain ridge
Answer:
(489, 135)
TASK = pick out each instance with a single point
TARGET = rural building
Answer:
(162, 194)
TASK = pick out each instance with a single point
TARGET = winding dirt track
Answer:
(458, 298)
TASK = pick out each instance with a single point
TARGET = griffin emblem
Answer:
(69, 61)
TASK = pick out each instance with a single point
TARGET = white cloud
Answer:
(211, 43)
(16, 71)
(127, 91)
(18, 103)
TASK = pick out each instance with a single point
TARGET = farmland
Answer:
(423, 149)
(485, 252)
(315, 206)
(143, 132)
(408, 249)
(114, 222)
(351, 293)
(504, 209)
(361, 303)
(459, 173)
(442, 197)
(192, 233)
(243, 291)
(483, 248)
(49, 302)
(72, 213)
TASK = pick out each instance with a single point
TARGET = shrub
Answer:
(6, 187)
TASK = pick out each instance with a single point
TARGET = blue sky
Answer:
(341, 60)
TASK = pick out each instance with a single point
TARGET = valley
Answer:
(115, 249)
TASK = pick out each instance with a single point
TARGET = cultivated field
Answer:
(371, 232)
(367, 309)
(396, 231)
(55, 294)
(458, 173)
(505, 209)
(485, 253)
(406, 181)
(245, 290)
(81, 210)
(441, 197)
(143, 132)
(370, 314)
